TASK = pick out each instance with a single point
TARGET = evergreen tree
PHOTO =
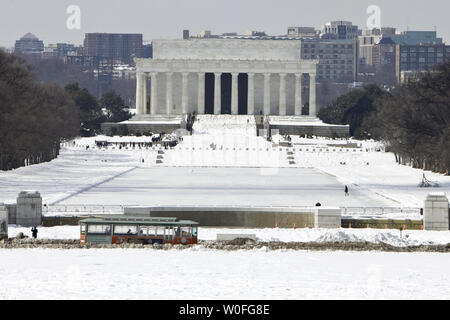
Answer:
(116, 111)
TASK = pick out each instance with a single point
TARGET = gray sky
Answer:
(167, 18)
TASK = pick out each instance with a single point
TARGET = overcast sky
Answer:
(167, 18)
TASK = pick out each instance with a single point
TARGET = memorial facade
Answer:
(225, 76)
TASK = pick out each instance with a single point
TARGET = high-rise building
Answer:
(413, 38)
(119, 47)
(337, 58)
(384, 60)
(29, 44)
(367, 41)
(340, 30)
(417, 58)
(369, 38)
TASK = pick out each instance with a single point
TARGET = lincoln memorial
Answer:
(225, 76)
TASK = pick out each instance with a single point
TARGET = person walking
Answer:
(346, 191)
(34, 232)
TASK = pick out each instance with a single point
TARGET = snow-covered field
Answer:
(198, 274)
(225, 163)
(114, 176)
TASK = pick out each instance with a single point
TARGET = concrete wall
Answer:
(327, 217)
(140, 127)
(29, 209)
(12, 213)
(323, 130)
(247, 217)
(436, 212)
(3, 221)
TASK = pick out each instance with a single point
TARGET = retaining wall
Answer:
(335, 131)
(247, 217)
(28, 209)
(436, 212)
(133, 128)
(3, 221)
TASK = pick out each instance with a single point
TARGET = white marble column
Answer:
(234, 93)
(201, 93)
(139, 93)
(282, 104)
(154, 93)
(251, 94)
(266, 93)
(184, 94)
(217, 92)
(169, 95)
(144, 93)
(298, 94)
(312, 95)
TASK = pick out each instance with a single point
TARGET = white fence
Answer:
(119, 209)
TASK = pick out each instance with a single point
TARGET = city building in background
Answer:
(115, 46)
(29, 44)
(61, 50)
(303, 32)
(367, 41)
(337, 58)
(147, 50)
(411, 59)
(413, 38)
(340, 30)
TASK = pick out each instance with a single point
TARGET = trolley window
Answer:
(186, 231)
(126, 229)
(143, 231)
(99, 229)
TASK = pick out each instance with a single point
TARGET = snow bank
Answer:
(388, 236)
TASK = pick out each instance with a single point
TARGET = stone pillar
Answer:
(201, 93)
(154, 93)
(436, 212)
(282, 105)
(169, 95)
(3, 221)
(217, 93)
(312, 95)
(139, 93)
(298, 94)
(184, 94)
(328, 217)
(29, 209)
(144, 94)
(234, 93)
(266, 93)
(251, 94)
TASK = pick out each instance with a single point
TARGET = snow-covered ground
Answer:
(198, 274)
(388, 236)
(114, 176)
(227, 164)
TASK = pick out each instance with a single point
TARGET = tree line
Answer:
(413, 118)
(35, 117)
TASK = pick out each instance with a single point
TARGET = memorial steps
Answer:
(225, 141)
